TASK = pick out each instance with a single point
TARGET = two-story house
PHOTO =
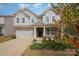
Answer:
(6, 25)
(29, 25)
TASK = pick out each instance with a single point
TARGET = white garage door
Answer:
(24, 34)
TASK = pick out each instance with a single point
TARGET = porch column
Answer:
(44, 31)
(34, 32)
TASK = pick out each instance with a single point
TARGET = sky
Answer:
(11, 8)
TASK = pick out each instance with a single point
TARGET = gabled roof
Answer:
(23, 9)
(48, 10)
(5, 15)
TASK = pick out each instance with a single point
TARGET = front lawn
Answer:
(6, 38)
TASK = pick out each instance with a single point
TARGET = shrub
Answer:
(51, 45)
(71, 28)
(49, 39)
(65, 40)
(13, 36)
(34, 40)
(36, 46)
(62, 46)
(74, 42)
(44, 39)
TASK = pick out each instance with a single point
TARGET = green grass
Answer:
(6, 38)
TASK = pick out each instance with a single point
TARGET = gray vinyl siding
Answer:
(8, 25)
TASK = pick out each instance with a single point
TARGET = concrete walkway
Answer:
(14, 47)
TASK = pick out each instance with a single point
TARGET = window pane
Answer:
(47, 31)
(47, 19)
(53, 18)
(23, 20)
(32, 20)
(17, 20)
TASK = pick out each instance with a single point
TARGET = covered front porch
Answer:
(44, 31)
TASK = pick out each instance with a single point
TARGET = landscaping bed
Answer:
(6, 38)
(48, 47)
(48, 52)
(51, 45)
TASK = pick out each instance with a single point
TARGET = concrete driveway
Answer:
(14, 47)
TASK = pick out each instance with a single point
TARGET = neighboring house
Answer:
(1, 25)
(26, 24)
(6, 25)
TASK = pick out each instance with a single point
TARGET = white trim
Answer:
(34, 32)
(44, 31)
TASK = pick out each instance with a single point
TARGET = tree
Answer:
(68, 14)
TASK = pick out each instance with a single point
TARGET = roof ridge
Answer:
(23, 10)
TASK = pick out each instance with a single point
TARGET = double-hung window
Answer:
(32, 20)
(23, 20)
(47, 19)
(53, 18)
(49, 31)
(17, 20)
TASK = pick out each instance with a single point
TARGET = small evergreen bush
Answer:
(13, 36)
(44, 39)
(51, 44)
(36, 46)
(34, 40)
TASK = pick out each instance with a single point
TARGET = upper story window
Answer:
(47, 19)
(53, 18)
(32, 20)
(23, 20)
(17, 20)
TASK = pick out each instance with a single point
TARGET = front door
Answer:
(39, 32)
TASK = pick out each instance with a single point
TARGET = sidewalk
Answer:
(14, 47)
